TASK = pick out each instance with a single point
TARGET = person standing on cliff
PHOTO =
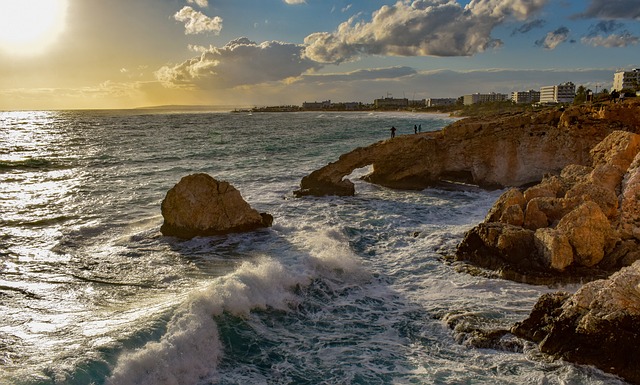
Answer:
(393, 132)
(415, 129)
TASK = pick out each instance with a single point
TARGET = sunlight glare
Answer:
(29, 27)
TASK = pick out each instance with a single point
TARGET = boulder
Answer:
(554, 247)
(629, 220)
(599, 325)
(199, 205)
(588, 232)
(510, 198)
(580, 227)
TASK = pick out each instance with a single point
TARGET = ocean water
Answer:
(351, 290)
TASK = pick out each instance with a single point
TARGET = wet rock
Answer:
(599, 325)
(199, 205)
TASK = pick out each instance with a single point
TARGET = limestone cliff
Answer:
(496, 151)
(581, 223)
(598, 325)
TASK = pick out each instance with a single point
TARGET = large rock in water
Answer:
(199, 205)
(599, 325)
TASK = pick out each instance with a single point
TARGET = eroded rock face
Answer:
(584, 223)
(502, 150)
(598, 325)
(199, 205)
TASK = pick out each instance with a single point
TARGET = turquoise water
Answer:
(350, 290)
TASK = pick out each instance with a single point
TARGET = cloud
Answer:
(526, 27)
(607, 26)
(420, 28)
(239, 62)
(360, 75)
(602, 34)
(553, 38)
(196, 22)
(294, 2)
(200, 3)
(613, 9)
(623, 39)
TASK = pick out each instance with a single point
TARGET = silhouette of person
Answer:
(415, 129)
(419, 127)
(393, 132)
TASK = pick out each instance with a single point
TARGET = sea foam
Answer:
(191, 349)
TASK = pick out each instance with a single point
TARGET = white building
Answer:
(484, 98)
(561, 93)
(528, 97)
(626, 79)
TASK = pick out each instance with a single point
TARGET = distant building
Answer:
(418, 103)
(626, 79)
(439, 102)
(561, 93)
(351, 105)
(484, 98)
(391, 103)
(316, 105)
(525, 97)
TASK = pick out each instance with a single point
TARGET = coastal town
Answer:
(625, 84)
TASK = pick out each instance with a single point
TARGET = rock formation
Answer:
(497, 151)
(571, 226)
(599, 325)
(199, 205)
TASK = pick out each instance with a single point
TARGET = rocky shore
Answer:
(495, 151)
(571, 214)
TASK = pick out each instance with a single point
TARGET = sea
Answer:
(340, 290)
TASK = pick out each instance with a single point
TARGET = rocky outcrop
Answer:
(580, 224)
(199, 205)
(599, 325)
(503, 150)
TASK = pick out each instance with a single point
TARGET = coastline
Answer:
(577, 165)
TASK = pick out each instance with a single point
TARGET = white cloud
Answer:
(420, 28)
(293, 2)
(554, 38)
(196, 22)
(239, 62)
(200, 3)
(614, 40)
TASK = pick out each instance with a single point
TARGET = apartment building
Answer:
(438, 102)
(561, 93)
(525, 97)
(626, 79)
(484, 98)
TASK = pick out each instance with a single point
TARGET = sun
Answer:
(29, 27)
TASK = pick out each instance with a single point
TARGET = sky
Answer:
(79, 54)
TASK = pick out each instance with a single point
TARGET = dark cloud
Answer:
(605, 27)
(526, 27)
(420, 28)
(613, 9)
(554, 38)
